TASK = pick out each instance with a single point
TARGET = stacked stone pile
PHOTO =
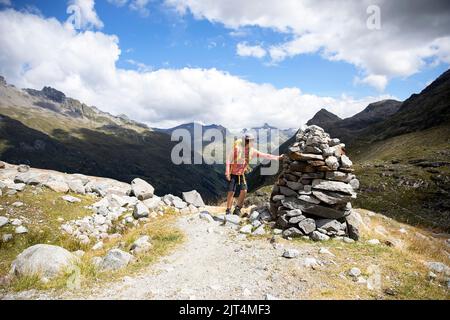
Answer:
(313, 193)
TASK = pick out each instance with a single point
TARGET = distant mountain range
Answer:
(380, 121)
(46, 129)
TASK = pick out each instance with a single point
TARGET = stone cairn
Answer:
(313, 192)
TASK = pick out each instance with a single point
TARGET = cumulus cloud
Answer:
(377, 81)
(412, 34)
(244, 50)
(83, 14)
(38, 51)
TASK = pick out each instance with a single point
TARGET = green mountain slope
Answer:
(48, 130)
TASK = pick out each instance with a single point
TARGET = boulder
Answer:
(292, 232)
(23, 168)
(115, 259)
(307, 225)
(57, 186)
(141, 189)
(329, 225)
(140, 210)
(76, 186)
(231, 218)
(141, 245)
(44, 260)
(153, 203)
(194, 198)
(354, 225)
(318, 236)
(178, 203)
(291, 253)
(346, 162)
(3, 221)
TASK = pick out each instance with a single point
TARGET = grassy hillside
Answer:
(407, 177)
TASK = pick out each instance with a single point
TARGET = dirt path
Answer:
(215, 262)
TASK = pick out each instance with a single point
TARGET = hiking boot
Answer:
(237, 211)
(228, 211)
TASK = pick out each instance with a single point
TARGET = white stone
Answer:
(43, 260)
(70, 199)
(21, 230)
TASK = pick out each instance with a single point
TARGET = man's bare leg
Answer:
(241, 198)
(230, 199)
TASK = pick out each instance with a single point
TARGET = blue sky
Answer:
(164, 38)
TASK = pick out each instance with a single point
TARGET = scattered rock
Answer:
(98, 246)
(259, 231)
(17, 204)
(16, 222)
(231, 218)
(438, 267)
(318, 236)
(354, 272)
(348, 240)
(57, 186)
(291, 253)
(311, 262)
(21, 230)
(194, 198)
(140, 210)
(7, 237)
(115, 259)
(140, 245)
(71, 199)
(141, 189)
(247, 229)
(3, 221)
(373, 241)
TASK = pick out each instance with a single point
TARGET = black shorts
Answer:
(236, 184)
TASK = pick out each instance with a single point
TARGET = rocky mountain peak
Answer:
(323, 116)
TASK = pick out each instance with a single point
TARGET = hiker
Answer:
(236, 166)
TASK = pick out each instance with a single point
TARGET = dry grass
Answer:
(41, 211)
(402, 270)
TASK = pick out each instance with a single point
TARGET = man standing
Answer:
(236, 166)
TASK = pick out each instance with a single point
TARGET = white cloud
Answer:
(164, 97)
(377, 81)
(412, 32)
(136, 5)
(83, 14)
(244, 50)
(5, 2)
(118, 3)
